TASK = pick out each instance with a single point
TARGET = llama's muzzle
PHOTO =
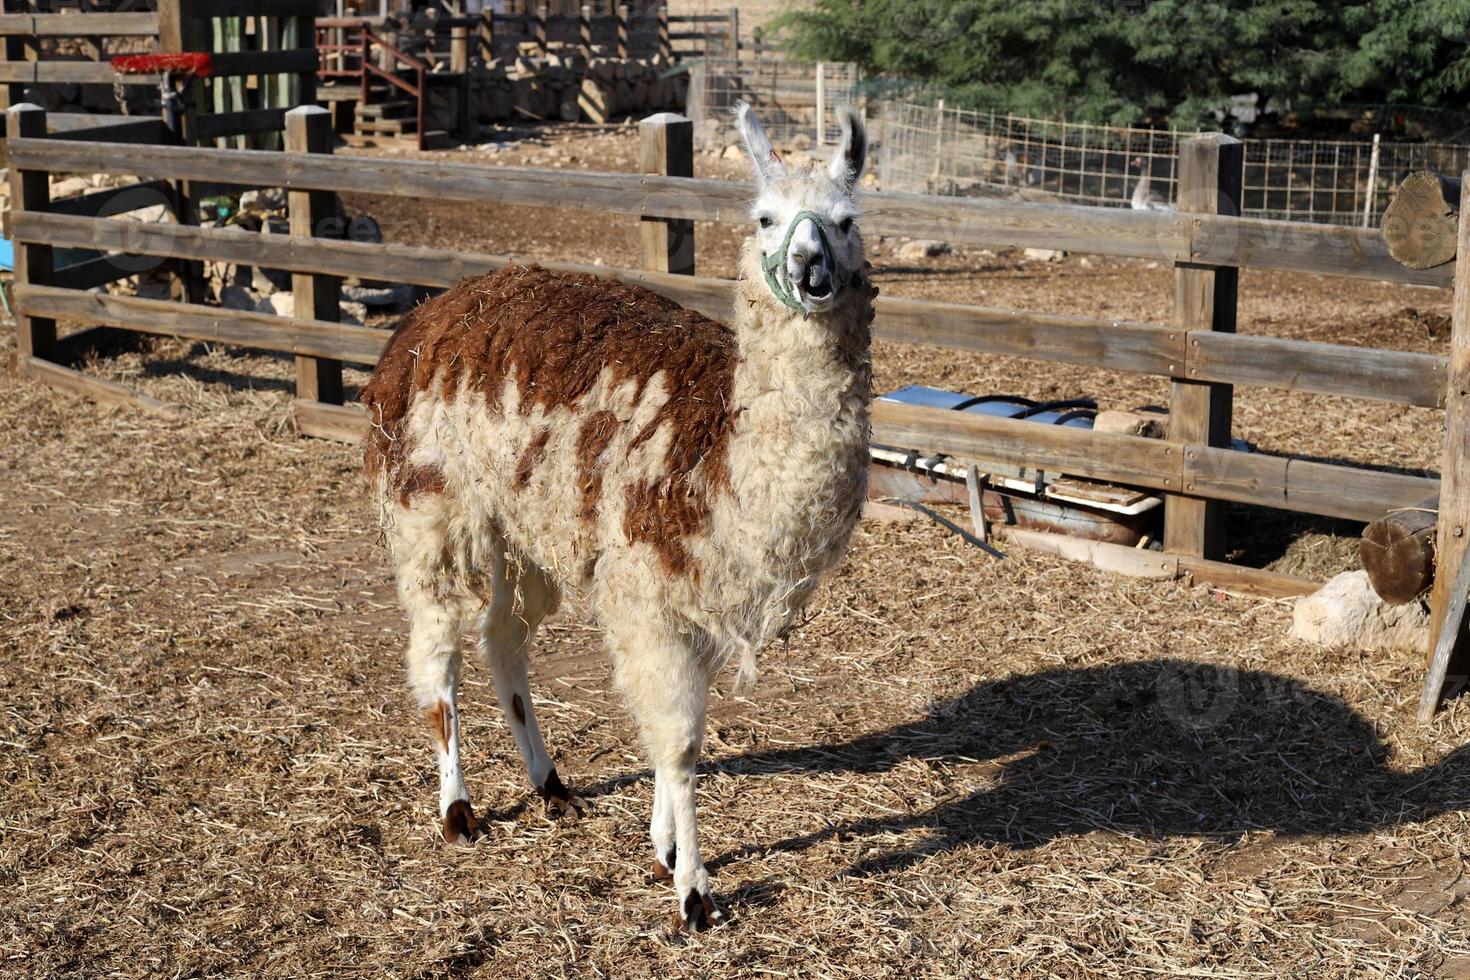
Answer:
(804, 274)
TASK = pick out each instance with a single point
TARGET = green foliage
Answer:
(1125, 61)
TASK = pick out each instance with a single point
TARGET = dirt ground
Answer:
(959, 767)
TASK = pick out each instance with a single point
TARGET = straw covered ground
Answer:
(959, 767)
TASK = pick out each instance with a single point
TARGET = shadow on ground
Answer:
(1163, 747)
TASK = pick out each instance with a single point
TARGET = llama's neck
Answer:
(807, 363)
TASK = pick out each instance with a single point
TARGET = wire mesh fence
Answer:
(936, 150)
(795, 101)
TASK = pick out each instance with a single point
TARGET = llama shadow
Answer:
(1163, 747)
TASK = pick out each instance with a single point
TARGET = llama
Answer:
(536, 432)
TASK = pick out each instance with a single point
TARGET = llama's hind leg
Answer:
(433, 672)
(418, 536)
(523, 596)
(665, 677)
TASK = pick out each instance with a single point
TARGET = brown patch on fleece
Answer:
(438, 717)
(530, 456)
(553, 335)
(592, 441)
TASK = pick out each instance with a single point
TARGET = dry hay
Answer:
(959, 767)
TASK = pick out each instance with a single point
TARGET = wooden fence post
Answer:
(622, 30)
(666, 146)
(1210, 171)
(1448, 649)
(733, 27)
(179, 30)
(584, 31)
(540, 8)
(316, 297)
(15, 53)
(665, 43)
(30, 190)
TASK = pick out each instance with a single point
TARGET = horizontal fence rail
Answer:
(1402, 377)
(1201, 238)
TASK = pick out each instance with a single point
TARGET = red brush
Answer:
(190, 64)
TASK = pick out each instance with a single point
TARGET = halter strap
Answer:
(774, 264)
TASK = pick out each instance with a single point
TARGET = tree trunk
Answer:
(1422, 221)
(1397, 552)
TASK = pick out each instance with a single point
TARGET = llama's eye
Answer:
(845, 225)
(765, 222)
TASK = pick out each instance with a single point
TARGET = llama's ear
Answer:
(847, 164)
(763, 157)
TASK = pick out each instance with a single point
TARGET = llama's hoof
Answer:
(699, 912)
(460, 826)
(560, 801)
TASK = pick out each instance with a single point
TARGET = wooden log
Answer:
(1141, 563)
(666, 148)
(1210, 170)
(1447, 645)
(1421, 223)
(96, 389)
(344, 423)
(309, 130)
(1397, 552)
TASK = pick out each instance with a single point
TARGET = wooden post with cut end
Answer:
(1448, 661)
(1421, 224)
(1397, 552)
(30, 190)
(667, 148)
(1210, 171)
(316, 297)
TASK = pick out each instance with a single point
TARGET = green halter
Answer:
(775, 263)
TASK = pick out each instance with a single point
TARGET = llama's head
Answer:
(806, 221)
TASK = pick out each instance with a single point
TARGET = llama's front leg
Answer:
(666, 684)
(433, 672)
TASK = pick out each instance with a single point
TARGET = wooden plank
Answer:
(1301, 485)
(1146, 348)
(288, 61)
(30, 191)
(367, 260)
(144, 131)
(90, 24)
(1210, 170)
(356, 345)
(344, 423)
(1448, 650)
(79, 72)
(91, 273)
(96, 389)
(1449, 642)
(252, 8)
(666, 148)
(970, 437)
(213, 125)
(309, 130)
(1119, 345)
(1404, 377)
(1202, 239)
(1293, 246)
(112, 201)
(65, 122)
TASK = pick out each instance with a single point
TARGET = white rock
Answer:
(263, 199)
(353, 313)
(281, 304)
(71, 186)
(922, 248)
(733, 152)
(1346, 612)
(1043, 255)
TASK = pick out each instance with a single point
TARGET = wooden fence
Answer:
(1198, 351)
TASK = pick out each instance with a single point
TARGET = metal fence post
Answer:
(1210, 169)
(316, 297)
(667, 148)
